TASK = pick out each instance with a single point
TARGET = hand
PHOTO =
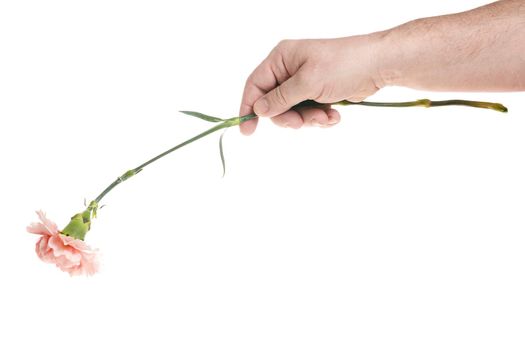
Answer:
(326, 71)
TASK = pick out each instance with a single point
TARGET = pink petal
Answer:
(50, 225)
(76, 243)
(42, 249)
(38, 228)
(45, 227)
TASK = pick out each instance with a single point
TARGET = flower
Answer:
(67, 253)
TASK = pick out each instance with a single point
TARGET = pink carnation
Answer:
(67, 253)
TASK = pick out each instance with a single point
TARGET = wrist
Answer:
(390, 61)
(368, 57)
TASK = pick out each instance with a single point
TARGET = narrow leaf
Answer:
(222, 155)
(208, 118)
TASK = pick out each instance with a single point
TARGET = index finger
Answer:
(257, 85)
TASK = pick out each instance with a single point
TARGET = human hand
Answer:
(324, 70)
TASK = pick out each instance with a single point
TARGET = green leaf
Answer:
(222, 154)
(208, 118)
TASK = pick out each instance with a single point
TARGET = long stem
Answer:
(308, 103)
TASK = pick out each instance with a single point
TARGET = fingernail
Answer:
(261, 107)
(332, 121)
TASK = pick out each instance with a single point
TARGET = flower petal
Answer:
(56, 243)
(45, 227)
(50, 225)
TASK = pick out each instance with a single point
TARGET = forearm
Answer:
(478, 50)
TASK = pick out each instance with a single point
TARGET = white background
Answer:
(397, 229)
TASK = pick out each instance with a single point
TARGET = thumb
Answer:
(282, 98)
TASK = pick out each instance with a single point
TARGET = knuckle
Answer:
(251, 80)
(284, 43)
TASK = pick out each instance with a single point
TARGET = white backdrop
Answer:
(397, 229)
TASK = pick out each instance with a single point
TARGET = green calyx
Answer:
(81, 222)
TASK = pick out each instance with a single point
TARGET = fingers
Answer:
(283, 97)
(248, 127)
(280, 100)
(333, 117)
(289, 119)
(260, 81)
(314, 116)
(307, 117)
(250, 95)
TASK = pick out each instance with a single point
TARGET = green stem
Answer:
(418, 103)
(226, 124)
(308, 103)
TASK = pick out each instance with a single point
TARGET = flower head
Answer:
(67, 253)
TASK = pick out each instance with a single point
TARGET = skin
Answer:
(479, 50)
